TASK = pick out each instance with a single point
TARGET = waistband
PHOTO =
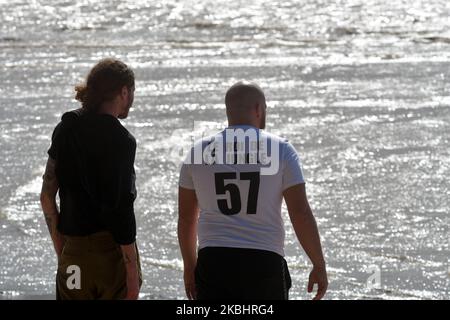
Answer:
(236, 252)
(99, 241)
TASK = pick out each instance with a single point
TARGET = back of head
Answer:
(103, 83)
(241, 100)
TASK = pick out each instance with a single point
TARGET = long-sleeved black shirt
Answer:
(94, 157)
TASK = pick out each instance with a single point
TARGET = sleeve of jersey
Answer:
(292, 170)
(58, 133)
(185, 180)
(56, 137)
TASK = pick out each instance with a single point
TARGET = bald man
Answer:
(231, 189)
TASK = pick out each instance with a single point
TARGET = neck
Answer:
(243, 123)
(109, 108)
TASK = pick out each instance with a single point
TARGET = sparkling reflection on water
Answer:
(359, 87)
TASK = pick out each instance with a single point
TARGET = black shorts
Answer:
(241, 274)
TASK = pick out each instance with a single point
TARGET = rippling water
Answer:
(360, 88)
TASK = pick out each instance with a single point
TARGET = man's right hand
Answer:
(318, 275)
(189, 283)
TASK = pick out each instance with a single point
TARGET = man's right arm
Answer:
(305, 227)
(187, 236)
(48, 202)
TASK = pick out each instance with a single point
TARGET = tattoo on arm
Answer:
(48, 196)
(50, 183)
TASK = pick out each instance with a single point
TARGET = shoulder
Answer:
(273, 137)
(114, 128)
(202, 143)
(205, 141)
(120, 142)
(106, 126)
(194, 154)
(72, 115)
(124, 136)
(67, 119)
(284, 145)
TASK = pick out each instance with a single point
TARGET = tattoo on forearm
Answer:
(50, 183)
(49, 190)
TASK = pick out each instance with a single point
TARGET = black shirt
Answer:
(94, 157)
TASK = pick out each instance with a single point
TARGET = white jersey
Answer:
(240, 196)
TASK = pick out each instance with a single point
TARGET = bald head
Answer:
(246, 105)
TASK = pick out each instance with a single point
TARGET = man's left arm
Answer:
(49, 207)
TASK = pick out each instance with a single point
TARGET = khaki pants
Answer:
(91, 268)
